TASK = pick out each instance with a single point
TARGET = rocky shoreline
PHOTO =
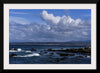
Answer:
(60, 52)
(80, 50)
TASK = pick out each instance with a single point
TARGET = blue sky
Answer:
(49, 25)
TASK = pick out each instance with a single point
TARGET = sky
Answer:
(49, 25)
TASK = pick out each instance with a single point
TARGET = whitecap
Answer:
(29, 55)
(27, 51)
(88, 56)
(13, 51)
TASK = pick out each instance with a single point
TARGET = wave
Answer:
(29, 55)
(27, 51)
(88, 56)
(13, 51)
(18, 51)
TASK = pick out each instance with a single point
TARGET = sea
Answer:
(41, 55)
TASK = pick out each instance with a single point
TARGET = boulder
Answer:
(50, 49)
(63, 58)
(33, 49)
(12, 55)
(63, 54)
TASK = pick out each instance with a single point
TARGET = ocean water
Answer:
(43, 56)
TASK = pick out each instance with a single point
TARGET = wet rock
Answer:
(57, 60)
(63, 58)
(62, 54)
(12, 55)
(87, 48)
(80, 50)
(33, 49)
(10, 49)
(13, 49)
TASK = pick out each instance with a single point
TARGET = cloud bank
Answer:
(55, 29)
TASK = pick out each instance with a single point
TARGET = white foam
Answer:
(16, 51)
(29, 55)
(88, 56)
(27, 51)
(12, 51)
(19, 49)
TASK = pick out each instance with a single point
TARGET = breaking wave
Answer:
(27, 51)
(29, 55)
(12, 51)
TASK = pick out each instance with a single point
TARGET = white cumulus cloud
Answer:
(50, 18)
(64, 23)
(56, 29)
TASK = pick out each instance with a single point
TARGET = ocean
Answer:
(41, 55)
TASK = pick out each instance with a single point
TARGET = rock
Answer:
(73, 50)
(50, 49)
(63, 58)
(12, 49)
(62, 54)
(57, 60)
(33, 49)
(12, 55)
(87, 48)
(15, 49)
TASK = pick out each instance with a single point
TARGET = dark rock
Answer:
(10, 49)
(33, 49)
(50, 49)
(12, 55)
(87, 48)
(15, 49)
(62, 54)
(80, 50)
(57, 60)
(63, 58)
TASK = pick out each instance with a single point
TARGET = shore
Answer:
(60, 52)
(80, 50)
